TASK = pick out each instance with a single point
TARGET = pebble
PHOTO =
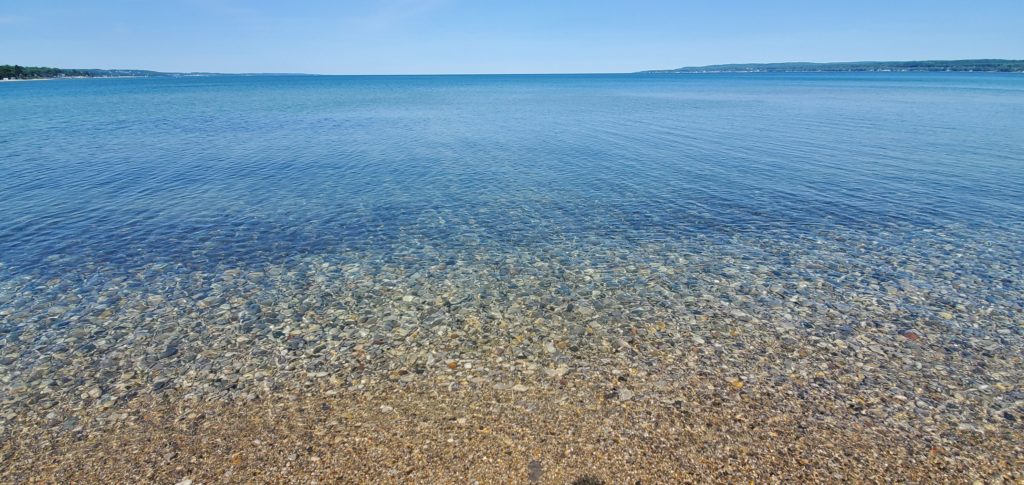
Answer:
(911, 335)
(169, 352)
(534, 471)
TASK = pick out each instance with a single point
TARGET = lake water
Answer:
(266, 230)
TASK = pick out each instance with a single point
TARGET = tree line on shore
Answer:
(27, 72)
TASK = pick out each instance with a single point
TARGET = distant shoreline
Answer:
(965, 65)
(829, 72)
(32, 79)
(69, 78)
(1009, 66)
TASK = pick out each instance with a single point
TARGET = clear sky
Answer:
(494, 36)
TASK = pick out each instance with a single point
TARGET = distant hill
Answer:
(968, 65)
(127, 72)
(26, 72)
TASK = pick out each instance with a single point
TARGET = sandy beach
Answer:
(20, 80)
(565, 432)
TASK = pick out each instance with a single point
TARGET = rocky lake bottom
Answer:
(768, 278)
(837, 330)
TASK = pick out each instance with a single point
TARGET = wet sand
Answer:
(458, 431)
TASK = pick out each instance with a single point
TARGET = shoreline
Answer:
(560, 433)
(72, 78)
(864, 390)
(22, 80)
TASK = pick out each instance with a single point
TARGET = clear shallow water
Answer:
(232, 170)
(289, 215)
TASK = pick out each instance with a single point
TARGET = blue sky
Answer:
(478, 36)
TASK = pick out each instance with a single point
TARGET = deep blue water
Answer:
(227, 170)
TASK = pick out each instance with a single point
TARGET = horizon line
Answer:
(255, 73)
